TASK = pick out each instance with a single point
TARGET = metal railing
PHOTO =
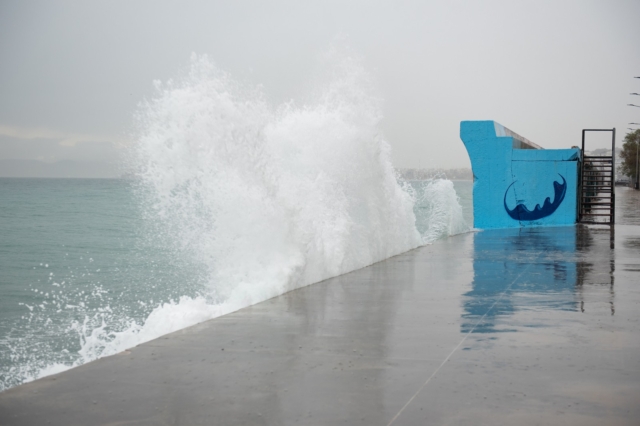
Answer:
(597, 194)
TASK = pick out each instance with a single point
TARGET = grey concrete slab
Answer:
(533, 326)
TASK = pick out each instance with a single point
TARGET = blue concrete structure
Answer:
(516, 182)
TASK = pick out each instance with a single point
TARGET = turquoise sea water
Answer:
(79, 258)
(75, 253)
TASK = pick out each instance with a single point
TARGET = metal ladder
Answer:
(597, 195)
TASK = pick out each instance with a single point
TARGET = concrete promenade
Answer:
(501, 327)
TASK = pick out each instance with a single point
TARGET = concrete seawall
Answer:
(501, 327)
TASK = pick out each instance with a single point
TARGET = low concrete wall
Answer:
(516, 182)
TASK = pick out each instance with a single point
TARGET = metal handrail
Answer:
(596, 181)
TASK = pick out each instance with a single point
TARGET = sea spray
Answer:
(271, 198)
(438, 210)
(247, 201)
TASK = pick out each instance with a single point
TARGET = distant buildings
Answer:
(423, 174)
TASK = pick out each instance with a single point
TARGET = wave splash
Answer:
(272, 199)
(266, 199)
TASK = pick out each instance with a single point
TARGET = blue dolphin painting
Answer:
(521, 212)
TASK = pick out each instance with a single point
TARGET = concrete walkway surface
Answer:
(504, 327)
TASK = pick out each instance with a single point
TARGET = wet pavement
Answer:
(501, 327)
(627, 206)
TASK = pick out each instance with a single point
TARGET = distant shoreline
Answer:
(424, 174)
(69, 169)
(64, 169)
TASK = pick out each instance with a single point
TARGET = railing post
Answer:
(581, 183)
(612, 236)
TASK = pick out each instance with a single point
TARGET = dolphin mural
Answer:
(521, 212)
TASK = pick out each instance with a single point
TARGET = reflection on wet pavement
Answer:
(519, 269)
(627, 206)
(564, 268)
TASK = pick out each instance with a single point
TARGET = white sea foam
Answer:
(270, 198)
(267, 199)
(439, 211)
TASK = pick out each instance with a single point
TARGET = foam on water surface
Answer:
(262, 199)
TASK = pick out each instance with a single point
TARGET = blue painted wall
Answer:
(516, 183)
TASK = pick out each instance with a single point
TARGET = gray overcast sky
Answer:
(73, 72)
